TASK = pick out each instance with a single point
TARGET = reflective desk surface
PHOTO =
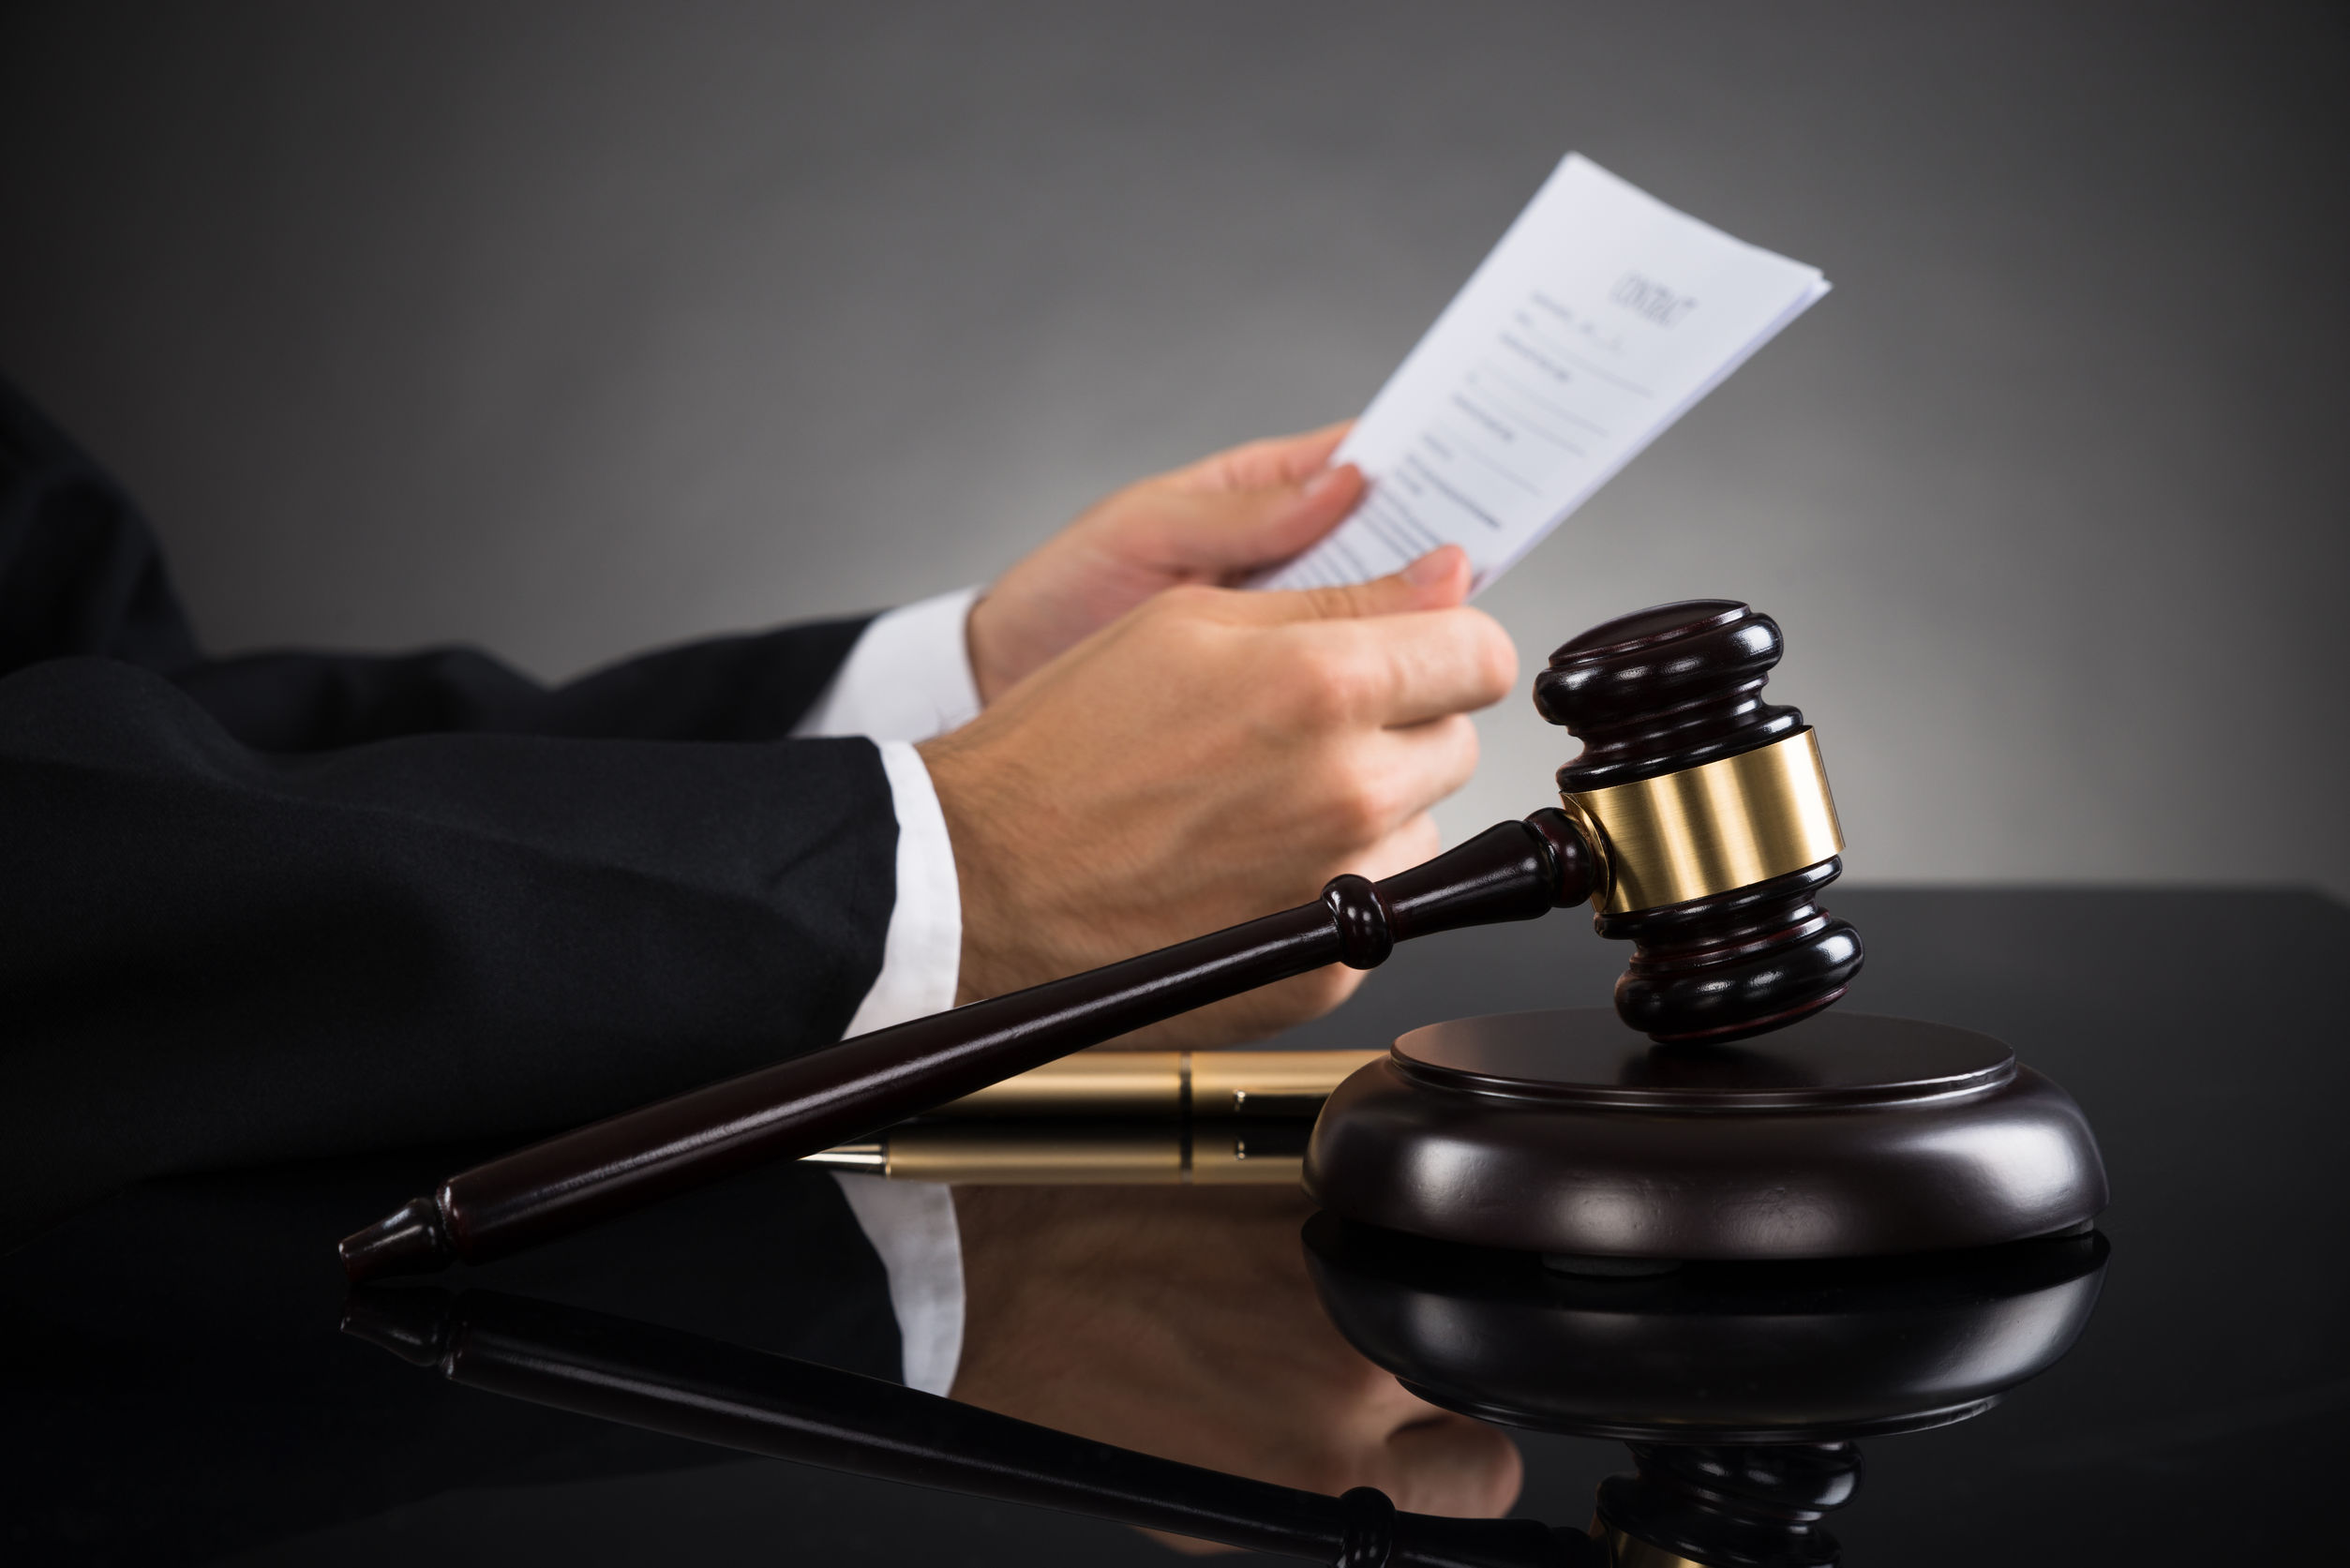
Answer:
(185, 1381)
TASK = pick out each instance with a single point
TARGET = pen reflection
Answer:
(1166, 1152)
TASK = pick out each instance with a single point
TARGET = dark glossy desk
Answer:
(210, 1410)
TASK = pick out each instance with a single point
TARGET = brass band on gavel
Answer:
(1721, 826)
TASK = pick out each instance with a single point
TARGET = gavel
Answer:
(1697, 820)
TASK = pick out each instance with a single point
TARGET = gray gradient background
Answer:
(570, 329)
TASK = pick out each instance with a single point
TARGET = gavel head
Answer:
(1710, 814)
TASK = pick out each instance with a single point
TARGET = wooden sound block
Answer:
(1565, 1134)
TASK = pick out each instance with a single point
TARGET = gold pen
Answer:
(1115, 1083)
(1119, 1117)
(1072, 1153)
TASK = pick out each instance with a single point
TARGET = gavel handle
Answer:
(1514, 871)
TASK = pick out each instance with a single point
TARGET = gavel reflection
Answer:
(706, 1391)
(1742, 1390)
(1696, 819)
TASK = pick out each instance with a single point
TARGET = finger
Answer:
(1277, 460)
(1416, 841)
(1437, 580)
(1453, 1466)
(1438, 663)
(1402, 773)
(1388, 671)
(1230, 532)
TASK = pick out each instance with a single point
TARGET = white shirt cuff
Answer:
(908, 678)
(912, 1224)
(921, 956)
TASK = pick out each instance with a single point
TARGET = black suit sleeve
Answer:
(282, 907)
(80, 575)
(78, 571)
(212, 956)
(747, 688)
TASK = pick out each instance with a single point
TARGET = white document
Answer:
(1600, 316)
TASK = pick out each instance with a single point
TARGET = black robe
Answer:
(298, 904)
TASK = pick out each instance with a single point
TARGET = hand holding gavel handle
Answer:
(1514, 871)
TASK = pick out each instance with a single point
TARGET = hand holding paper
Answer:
(1596, 322)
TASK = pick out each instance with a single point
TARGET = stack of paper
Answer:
(1600, 316)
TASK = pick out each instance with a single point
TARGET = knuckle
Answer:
(1362, 809)
(1326, 602)
(1346, 603)
(1175, 626)
(1324, 688)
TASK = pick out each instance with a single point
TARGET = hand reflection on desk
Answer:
(1180, 1321)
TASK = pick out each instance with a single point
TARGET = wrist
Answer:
(971, 805)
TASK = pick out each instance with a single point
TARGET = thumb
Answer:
(1437, 581)
(1227, 532)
